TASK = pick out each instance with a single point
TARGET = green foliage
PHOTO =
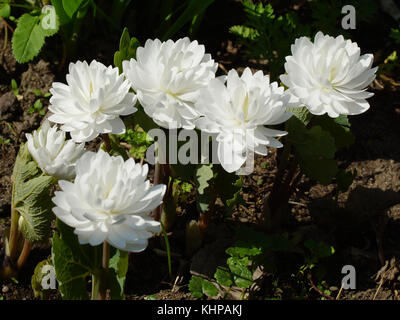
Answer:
(127, 49)
(74, 263)
(181, 190)
(314, 150)
(267, 35)
(5, 9)
(317, 251)
(391, 64)
(41, 94)
(71, 7)
(212, 182)
(199, 287)
(29, 36)
(251, 251)
(14, 87)
(138, 140)
(4, 140)
(31, 197)
(242, 276)
(344, 179)
(314, 253)
(192, 12)
(203, 176)
(37, 107)
(315, 145)
(395, 34)
(119, 263)
(36, 281)
(229, 187)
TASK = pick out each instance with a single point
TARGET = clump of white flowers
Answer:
(237, 113)
(54, 155)
(329, 75)
(92, 101)
(109, 200)
(167, 77)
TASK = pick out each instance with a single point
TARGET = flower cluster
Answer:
(175, 83)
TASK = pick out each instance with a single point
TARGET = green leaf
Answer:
(302, 114)
(343, 120)
(223, 277)
(72, 6)
(242, 276)
(314, 150)
(193, 8)
(46, 21)
(322, 170)
(319, 249)
(209, 288)
(344, 179)
(241, 252)
(199, 286)
(5, 10)
(36, 281)
(62, 16)
(339, 130)
(118, 267)
(245, 32)
(196, 287)
(31, 197)
(73, 263)
(127, 49)
(228, 187)
(203, 176)
(29, 36)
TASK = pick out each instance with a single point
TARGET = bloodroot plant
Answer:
(102, 202)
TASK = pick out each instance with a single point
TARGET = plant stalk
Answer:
(14, 234)
(161, 176)
(107, 142)
(103, 279)
(24, 254)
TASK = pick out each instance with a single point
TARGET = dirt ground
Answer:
(363, 225)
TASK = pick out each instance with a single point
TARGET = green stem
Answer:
(24, 254)
(161, 176)
(95, 286)
(103, 285)
(14, 235)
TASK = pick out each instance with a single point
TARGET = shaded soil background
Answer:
(363, 225)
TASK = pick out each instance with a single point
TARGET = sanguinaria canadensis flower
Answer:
(329, 76)
(109, 200)
(92, 101)
(54, 155)
(167, 77)
(238, 112)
